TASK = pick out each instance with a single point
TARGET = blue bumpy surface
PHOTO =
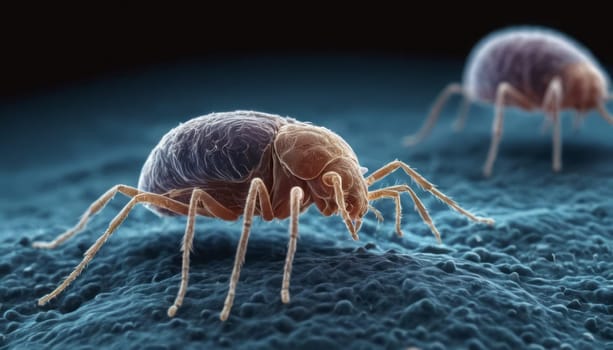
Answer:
(541, 278)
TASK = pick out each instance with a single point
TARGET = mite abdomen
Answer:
(219, 152)
(527, 59)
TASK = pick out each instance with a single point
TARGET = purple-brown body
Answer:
(528, 59)
(221, 153)
(529, 68)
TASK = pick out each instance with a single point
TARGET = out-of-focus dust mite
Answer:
(529, 68)
(223, 165)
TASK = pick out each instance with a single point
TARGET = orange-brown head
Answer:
(315, 155)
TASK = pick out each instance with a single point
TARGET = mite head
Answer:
(585, 87)
(329, 167)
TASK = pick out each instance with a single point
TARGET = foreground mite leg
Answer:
(604, 114)
(460, 121)
(386, 193)
(425, 184)
(551, 102)
(504, 90)
(211, 207)
(93, 209)
(333, 179)
(453, 88)
(157, 200)
(256, 189)
(296, 196)
(394, 191)
(376, 212)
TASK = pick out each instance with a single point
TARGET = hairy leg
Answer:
(394, 192)
(425, 184)
(209, 207)
(333, 179)
(296, 196)
(155, 199)
(387, 193)
(257, 189)
(93, 209)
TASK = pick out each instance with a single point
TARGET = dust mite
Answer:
(529, 68)
(223, 165)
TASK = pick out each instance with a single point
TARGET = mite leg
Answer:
(257, 189)
(376, 212)
(333, 179)
(296, 196)
(210, 207)
(578, 121)
(394, 192)
(425, 184)
(453, 88)
(545, 126)
(460, 121)
(386, 193)
(155, 199)
(504, 89)
(604, 114)
(551, 103)
(93, 209)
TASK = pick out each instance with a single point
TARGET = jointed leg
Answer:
(504, 90)
(376, 212)
(155, 199)
(257, 189)
(453, 88)
(387, 193)
(551, 103)
(604, 114)
(333, 179)
(394, 192)
(212, 208)
(425, 184)
(460, 121)
(93, 209)
(296, 196)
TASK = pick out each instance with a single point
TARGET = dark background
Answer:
(43, 48)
